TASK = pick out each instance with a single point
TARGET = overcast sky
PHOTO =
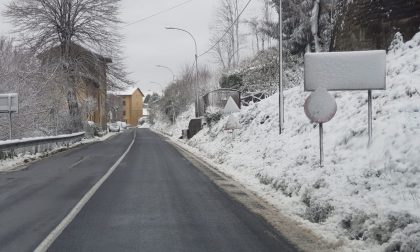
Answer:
(147, 44)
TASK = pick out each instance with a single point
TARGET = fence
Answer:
(13, 148)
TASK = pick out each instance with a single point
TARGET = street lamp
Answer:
(196, 64)
(160, 85)
(169, 69)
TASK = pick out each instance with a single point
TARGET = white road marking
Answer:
(46, 243)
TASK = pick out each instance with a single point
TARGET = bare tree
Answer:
(178, 97)
(266, 19)
(41, 109)
(254, 26)
(227, 50)
(45, 24)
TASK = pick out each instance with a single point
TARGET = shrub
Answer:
(213, 115)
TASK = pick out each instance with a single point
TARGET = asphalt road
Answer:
(33, 201)
(156, 200)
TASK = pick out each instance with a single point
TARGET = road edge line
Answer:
(56, 232)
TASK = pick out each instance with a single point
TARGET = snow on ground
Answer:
(15, 141)
(367, 197)
(12, 164)
(175, 130)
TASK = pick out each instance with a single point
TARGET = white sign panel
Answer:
(9, 103)
(359, 70)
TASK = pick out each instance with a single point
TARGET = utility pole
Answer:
(197, 101)
(281, 97)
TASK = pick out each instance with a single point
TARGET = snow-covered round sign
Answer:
(320, 106)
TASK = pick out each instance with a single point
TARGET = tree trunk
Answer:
(237, 32)
(75, 117)
(258, 42)
(74, 111)
(315, 25)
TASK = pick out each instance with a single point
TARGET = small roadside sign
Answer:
(231, 107)
(347, 71)
(320, 107)
(9, 104)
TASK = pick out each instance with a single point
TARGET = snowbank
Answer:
(175, 130)
(25, 140)
(368, 195)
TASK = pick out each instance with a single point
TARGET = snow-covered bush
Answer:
(258, 77)
(41, 105)
(297, 35)
(213, 115)
(179, 94)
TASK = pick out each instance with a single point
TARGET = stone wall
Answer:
(372, 24)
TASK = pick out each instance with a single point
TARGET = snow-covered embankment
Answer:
(369, 195)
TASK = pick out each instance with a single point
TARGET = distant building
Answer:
(89, 75)
(131, 101)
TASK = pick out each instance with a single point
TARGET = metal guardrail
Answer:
(8, 148)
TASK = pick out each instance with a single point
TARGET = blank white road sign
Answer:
(9, 103)
(359, 70)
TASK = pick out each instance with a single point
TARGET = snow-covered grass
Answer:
(14, 163)
(366, 197)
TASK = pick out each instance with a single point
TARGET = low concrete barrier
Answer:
(33, 146)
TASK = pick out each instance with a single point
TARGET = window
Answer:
(124, 113)
(124, 103)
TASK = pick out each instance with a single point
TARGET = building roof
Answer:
(77, 50)
(126, 92)
(89, 65)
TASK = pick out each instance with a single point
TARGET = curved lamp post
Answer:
(169, 69)
(157, 83)
(196, 64)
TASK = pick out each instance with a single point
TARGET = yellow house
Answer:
(132, 105)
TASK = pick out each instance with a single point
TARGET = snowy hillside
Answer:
(370, 195)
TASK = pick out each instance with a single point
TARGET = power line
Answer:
(227, 30)
(158, 13)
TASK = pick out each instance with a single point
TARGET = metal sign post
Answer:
(321, 145)
(10, 125)
(370, 118)
(10, 117)
(320, 107)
